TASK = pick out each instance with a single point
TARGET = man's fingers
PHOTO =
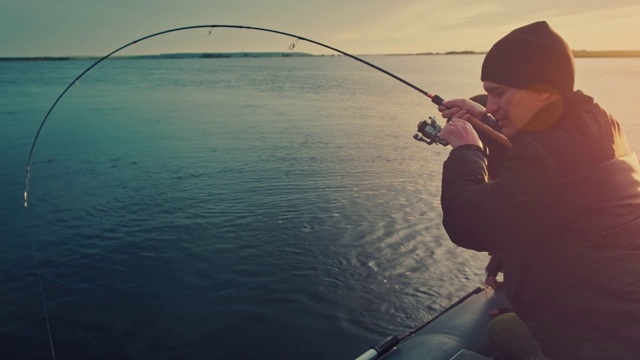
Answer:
(492, 282)
(449, 112)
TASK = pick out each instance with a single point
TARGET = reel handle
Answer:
(428, 132)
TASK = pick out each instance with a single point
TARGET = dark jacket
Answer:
(564, 212)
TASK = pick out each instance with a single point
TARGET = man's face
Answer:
(511, 107)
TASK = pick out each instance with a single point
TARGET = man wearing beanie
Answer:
(563, 210)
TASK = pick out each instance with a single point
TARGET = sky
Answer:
(91, 27)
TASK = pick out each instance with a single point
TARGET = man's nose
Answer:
(492, 105)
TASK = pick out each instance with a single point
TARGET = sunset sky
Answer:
(89, 27)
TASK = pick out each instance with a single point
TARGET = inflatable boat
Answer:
(457, 333)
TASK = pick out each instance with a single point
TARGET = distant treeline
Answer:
(576, 53)
(167, 56)
(606, 53)
(43, 58)
(220, 55)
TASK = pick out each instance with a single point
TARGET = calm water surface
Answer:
(234, 208)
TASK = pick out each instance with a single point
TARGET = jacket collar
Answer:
(553, 113)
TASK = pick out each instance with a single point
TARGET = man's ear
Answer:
(547, 97)
(544, 93)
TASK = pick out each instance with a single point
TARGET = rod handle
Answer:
(487, 130)
(384, 347)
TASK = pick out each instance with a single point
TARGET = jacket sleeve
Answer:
(511, 210)
(496, 151)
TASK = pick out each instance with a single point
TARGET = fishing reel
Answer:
(428, 132)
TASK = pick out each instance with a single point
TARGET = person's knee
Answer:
(504, 327)
(511, 338)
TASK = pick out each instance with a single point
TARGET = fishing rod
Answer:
(427, 131)
(386, 345)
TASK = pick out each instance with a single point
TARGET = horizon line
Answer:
(212, 55)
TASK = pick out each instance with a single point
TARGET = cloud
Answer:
(500, 14)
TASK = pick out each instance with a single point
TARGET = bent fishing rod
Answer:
(427, 131)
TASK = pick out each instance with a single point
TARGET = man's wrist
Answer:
(470, 147)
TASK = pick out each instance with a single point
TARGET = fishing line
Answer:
(42, 297)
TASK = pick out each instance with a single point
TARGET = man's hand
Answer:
(459, 132)
(461, 109)
(492, 269)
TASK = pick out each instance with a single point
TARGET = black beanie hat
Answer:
(532, 57)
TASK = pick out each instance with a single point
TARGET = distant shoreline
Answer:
(227, 55)
(606, 53)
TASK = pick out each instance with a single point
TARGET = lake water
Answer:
(271, 208)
